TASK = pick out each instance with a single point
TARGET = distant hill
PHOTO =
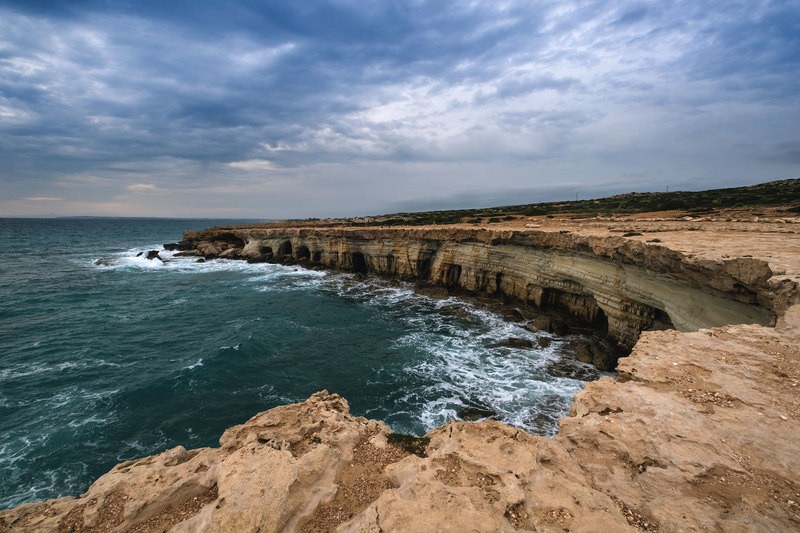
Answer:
(773, 193)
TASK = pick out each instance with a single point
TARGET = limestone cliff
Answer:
(619, 286)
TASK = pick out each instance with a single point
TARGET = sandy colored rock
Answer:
(687, 274)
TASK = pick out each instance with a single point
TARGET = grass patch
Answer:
(409, 443)
(775, 193)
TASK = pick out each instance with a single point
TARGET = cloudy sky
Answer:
(355, 107)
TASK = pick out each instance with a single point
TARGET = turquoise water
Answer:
(100, 364)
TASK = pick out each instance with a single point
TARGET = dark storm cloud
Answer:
(195, 100)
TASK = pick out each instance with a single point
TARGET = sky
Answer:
(276, 109)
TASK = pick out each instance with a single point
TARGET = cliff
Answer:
(699, 430)
(620, 286)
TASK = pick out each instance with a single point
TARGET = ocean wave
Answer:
(466, 366)
(32, 369)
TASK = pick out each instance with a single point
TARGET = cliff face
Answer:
(619, 286)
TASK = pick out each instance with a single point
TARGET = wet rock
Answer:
(549, 324)
(187, 253)
(583, 351)
(474, 411)
(566, 367)
(457, 310)
(544, 342)
(595, 351)
(176, 246)
(153, 254)
(201, 260)
(516, 342)
(106, 261)
(518, 315)
(432, 291)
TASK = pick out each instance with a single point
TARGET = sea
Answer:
(107, 356)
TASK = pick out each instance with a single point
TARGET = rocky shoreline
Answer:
(614, 285)
(699, 430)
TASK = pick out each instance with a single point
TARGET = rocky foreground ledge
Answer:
(699, 430)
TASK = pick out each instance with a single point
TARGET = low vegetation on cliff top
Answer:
(775, 193)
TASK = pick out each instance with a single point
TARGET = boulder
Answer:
(595, 351)
(474, 410)
(517, 342)
(549, 324)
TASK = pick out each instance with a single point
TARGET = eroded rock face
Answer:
(618, 286)
(699, 432)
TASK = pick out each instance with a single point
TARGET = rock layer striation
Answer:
(619, 286)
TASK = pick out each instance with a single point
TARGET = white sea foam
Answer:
(465, 360)
(463, 357)
(33, 369)
(138, 448)
(93, 419)
(194, 365)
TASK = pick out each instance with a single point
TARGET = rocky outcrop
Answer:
(619, 286)
(698, 433)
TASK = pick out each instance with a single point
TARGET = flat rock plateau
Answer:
(699, 430)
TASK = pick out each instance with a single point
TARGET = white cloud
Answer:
(143, 188)
(252, 165)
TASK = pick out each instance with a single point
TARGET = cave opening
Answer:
(285, 249)
(498, 281)
(230, 238)
(316, 256)
(359, 263)
(584, 307)
(265, 250)
(303, 252)
(423, 267)
(661, 320)
(452, 275)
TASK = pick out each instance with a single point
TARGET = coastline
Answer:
(698, 431)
